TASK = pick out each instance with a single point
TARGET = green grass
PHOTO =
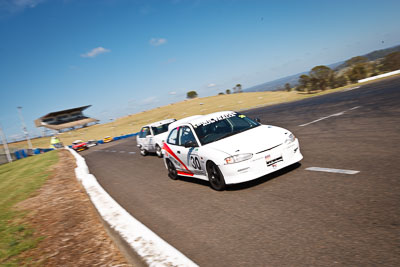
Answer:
(18, 181)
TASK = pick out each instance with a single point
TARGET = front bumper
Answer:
(262, 164)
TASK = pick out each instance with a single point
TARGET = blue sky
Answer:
(126, 56)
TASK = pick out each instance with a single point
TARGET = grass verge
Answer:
(18, 181)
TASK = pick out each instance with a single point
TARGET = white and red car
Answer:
(152, 136)
(227, 148)
(79, 145)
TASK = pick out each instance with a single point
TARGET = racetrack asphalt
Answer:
(294, 217)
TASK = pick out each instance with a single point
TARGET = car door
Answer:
(150, 140)
(143, 138)
(190, 154)
(172, 151)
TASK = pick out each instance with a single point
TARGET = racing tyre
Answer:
(159, 151)
(143, 152)
(215, 176)
(172, 172)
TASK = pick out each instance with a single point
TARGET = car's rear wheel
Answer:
(215, 176)
(159, 151)
(143, 152)
(172, 172)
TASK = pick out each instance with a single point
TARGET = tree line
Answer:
(322, 77)
(236, 89)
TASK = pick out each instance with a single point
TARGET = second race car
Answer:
(152, 136)
(227, 148)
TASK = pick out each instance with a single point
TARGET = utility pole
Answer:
(4, 140)
(24, 128)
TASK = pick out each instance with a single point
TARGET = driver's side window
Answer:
(144, 132)
(185, 135)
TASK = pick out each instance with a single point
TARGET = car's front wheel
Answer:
(215, 176)
(159, 151)
(143, 152)
(172, 172)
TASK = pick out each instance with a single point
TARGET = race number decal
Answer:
(194, 160)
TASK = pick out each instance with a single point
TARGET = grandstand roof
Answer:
(52, 120)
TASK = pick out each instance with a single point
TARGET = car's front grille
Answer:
(268, 149)
(274, 161)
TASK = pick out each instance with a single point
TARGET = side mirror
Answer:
(190, 144)
(257, 120)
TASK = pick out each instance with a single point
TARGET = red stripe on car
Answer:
(185, 173)
(166, 148)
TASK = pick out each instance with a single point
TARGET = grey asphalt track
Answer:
(293, 217)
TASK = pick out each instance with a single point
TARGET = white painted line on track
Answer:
(318, 169)
(333, 115)
(352, 88)
(113, 151)
(132, 152)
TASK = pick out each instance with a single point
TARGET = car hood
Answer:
(251, 141)
(161, 137)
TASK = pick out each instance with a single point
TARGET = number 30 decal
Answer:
(195, 162)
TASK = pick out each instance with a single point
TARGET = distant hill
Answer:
(280, 83)
(375, 55)
(293, 79)
(275, 84)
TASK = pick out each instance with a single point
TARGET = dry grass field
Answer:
(132, 123)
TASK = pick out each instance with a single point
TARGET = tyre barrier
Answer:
(23, 153)
(139, 244)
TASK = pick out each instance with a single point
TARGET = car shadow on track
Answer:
(249, 184)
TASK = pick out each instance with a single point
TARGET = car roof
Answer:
(158, 123)
(202, 119)
(77, 141)
(183, 121)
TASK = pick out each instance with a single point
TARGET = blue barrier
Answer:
(37, 151)
(119, 137)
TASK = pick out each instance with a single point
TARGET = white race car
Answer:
(151, 137)
(227, 148)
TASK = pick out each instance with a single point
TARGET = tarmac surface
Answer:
(296, 216)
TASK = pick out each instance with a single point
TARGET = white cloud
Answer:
(157, 41)
(211, 85)
(172, 93)
(15, 6)
(96, 51)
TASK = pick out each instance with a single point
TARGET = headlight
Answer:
(290, 139)
(238, 158)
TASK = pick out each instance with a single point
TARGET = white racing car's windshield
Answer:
(219, 129)
(160, 129)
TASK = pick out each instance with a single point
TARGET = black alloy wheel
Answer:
(172, 173)
(215, 176)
